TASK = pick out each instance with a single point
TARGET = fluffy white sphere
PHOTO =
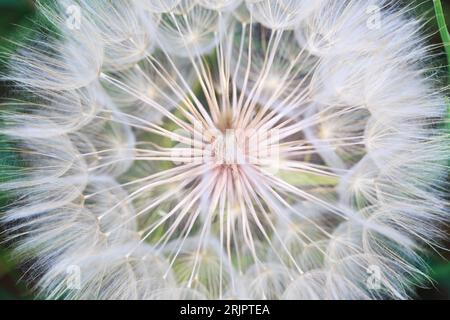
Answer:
(196, 149)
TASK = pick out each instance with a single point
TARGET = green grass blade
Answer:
(445, 35)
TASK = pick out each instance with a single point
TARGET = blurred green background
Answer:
(21, 12)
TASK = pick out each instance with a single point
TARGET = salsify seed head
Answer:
(197, 149)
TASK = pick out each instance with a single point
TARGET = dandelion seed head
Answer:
(196, 149)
